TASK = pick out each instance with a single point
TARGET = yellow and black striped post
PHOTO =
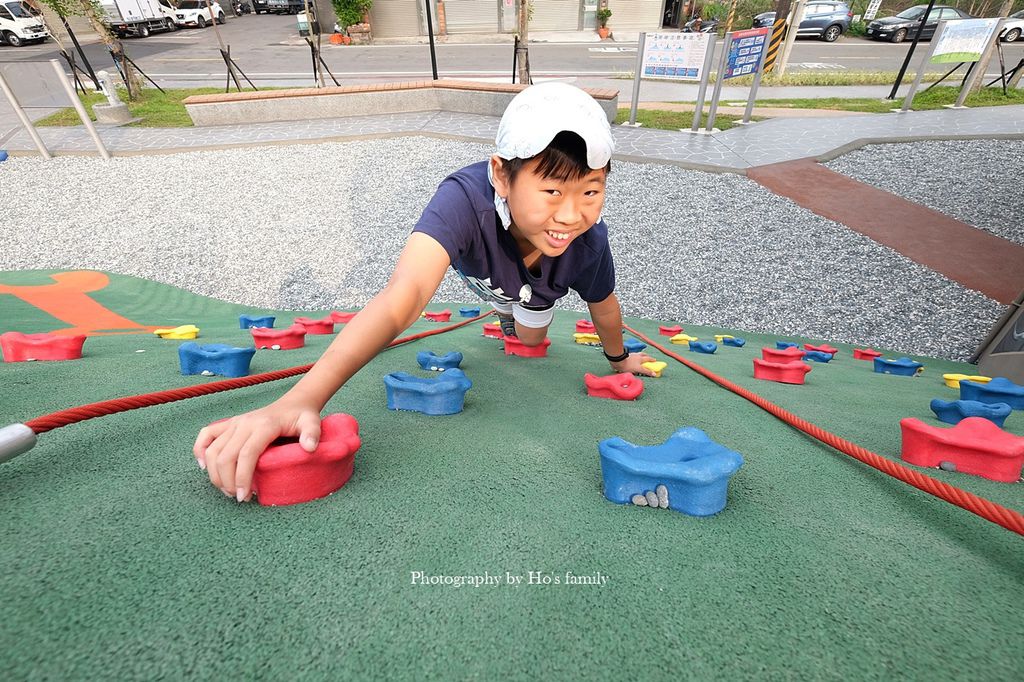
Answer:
(778, 34)
(732, 16)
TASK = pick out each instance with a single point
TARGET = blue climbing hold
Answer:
(438, 363)
(3, 155)
(953, 411)
(999, 390)
(250, 321)
(734, 341)
(214, 358)
(707, 347)
(817, 356)
(633, 345)
(443, 394)
(904, 367)
(783, 345)
(469, 312)
(689, 472)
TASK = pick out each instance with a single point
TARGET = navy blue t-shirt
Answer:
(462, 218)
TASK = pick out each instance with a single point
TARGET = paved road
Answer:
(268, 49)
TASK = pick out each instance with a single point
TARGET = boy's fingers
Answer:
(206, 436)
(247, 458)
(228, 460)
(309, 431)
(213, 454)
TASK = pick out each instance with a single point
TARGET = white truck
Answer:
(20, 23)
(138, 17)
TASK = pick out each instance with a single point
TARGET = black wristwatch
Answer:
(616, 358)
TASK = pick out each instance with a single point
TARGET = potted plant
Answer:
(602, 22)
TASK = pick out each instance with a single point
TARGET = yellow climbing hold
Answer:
(953, 380)
(719, 337)
(184, 332)
(587, 339)
(682, 339)
(657, 367)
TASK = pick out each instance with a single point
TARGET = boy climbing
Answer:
(520, 229)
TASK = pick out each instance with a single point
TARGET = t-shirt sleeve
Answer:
(450, 219)
(597, 281)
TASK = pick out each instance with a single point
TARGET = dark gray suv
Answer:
(825, 20)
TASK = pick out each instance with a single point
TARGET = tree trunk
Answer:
(982, 65)
(132, 81)
(523, 58)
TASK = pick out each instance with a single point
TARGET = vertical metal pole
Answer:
(636, 78)
(82, 113)
(430, 33)
(699, 107)
(985, 57)
(719, 80)
(25, 122)
(757, 81)
(910, 52)
(920, 70)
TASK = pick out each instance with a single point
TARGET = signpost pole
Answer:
(709, 53)
(638, 71)
(757, 82)
(920, 70)
(719, 80)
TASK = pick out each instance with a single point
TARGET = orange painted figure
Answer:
(68, 299)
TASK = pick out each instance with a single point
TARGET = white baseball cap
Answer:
(537, 114)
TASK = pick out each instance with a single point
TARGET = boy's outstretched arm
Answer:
(607, 318)
(229, 449)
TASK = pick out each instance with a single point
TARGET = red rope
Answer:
(986, 509)
(73, 415)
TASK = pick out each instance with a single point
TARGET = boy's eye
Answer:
(553, 192)
(593, 193)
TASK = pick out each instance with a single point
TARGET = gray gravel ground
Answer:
(693, 247)
(979, 182)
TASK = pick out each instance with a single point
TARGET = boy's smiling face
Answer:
(549, 213)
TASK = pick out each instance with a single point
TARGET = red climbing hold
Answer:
(792, 372)
(585, 327)
(492, 330)
(18, 347)
(443, 316)
(289, 338)
(324, 326)
(287, 474)
(342, 318)
(787, 355)
(974, 446)
(670, 331)
(622, 386)
(823, 348)
(866, 354)
(513, 346)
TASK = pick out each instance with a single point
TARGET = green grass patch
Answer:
(155, 109)
(935, 98)
(674, 120)
(817, 78)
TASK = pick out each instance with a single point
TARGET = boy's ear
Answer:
(501, 185)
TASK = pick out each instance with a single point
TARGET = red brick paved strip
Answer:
(975, 258)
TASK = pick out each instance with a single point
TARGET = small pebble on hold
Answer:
(947, 466)
(207, 373)
(652, 499)
(140, 351)
(30, 359)
(275, 347)
(662, 492)
(640, 500)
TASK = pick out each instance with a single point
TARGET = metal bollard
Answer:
(15, 440)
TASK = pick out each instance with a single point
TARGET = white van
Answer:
(21, 24)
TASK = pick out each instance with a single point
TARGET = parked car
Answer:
(825, 20)
(907, 23)
(278, 6)
(1013, 28)
(195, 13)
(20, 24)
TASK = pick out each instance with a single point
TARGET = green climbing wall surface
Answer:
(119, 559)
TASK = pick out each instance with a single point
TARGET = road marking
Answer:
(611, 49)
(819, 66)
(186, 59)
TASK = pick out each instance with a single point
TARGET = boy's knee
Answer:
(531, 337)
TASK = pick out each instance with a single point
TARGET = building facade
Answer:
(402, 18)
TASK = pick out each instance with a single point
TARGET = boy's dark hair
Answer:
(564, 159)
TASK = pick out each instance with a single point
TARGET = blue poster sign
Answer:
(745, 51)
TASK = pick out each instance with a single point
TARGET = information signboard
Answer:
(675, 56)
(964, 41)
(745, 51)
(872, 11)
